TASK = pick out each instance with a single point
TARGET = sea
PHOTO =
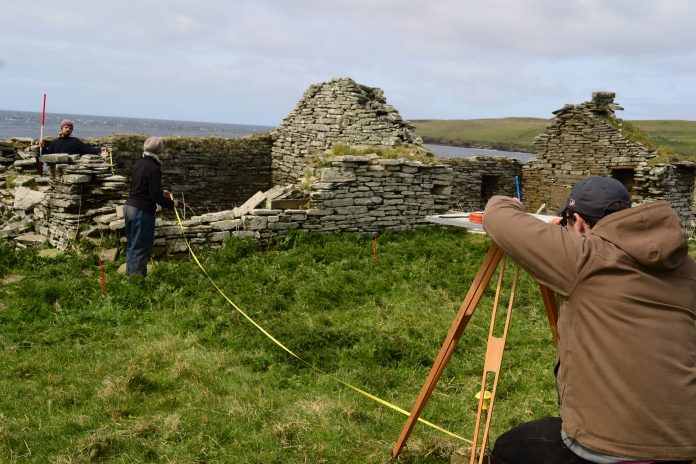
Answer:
(28, 124)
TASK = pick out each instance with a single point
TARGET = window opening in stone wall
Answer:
(489, 187)
(625, 176)
(439, 189)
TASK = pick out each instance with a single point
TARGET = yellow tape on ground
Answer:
(289, 351)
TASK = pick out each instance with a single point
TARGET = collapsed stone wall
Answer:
(80, 189)
(339, 111)
(580, 142)
(674, 183)
(586, 140)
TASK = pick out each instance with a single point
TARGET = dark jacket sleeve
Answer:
(155, 188)
(71, 145)
(85, 149)
(549, 252)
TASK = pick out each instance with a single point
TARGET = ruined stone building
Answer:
(265, 185)
(239, 187)
(585, 140)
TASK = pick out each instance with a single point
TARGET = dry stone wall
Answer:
(581, 142)
(478, 178)
(586, 140)
(673, 183)
(229, 182)
(81, 188)
(212, 173)
(339, 111)
(361, 194)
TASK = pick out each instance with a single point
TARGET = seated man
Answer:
(626, 359)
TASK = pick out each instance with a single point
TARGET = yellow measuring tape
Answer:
(277, 342)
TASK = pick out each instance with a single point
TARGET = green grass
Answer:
(410, 152)
(514, 134)
(679, 136)
(165, 370)
(675, 139)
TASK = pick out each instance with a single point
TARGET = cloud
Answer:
(233, 61)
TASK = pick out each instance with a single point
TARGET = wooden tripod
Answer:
(493, 353)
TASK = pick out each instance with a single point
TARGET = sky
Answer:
(250, 61)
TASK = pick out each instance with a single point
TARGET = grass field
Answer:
(165, 370)
(517, 134)
(514, 134)
(680, 136)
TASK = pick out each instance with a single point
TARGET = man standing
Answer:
(139, 212)
(65, 143)
(626, 359)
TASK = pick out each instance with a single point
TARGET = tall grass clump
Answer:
(165, 370)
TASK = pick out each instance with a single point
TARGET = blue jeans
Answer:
(140, 233)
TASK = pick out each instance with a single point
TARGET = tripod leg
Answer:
(551, 306)
(466, 310)
(494, 359)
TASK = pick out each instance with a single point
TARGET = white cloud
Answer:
(249, 61)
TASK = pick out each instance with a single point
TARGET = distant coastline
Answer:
(511, 147)
(28, 124)
(452, 151)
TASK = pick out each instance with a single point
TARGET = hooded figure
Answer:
(626, 358)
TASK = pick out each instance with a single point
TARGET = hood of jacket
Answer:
(653, 237)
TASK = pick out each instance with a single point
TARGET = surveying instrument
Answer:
(495, 346)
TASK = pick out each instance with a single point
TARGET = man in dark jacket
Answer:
(139, 212)
(65, 143)
(626, 359)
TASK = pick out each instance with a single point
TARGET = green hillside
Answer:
(517, 134)
(680, 136)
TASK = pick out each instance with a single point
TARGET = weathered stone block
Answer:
(282, 225)
(254, 222)
(226, 225)
(118, 225)
(25, 199)
(55, 158)
(177, 246)
(337, 174)
(76, 178)
(220, 236)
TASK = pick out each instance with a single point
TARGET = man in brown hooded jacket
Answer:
(626, 360)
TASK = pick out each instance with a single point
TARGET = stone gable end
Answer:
(338, 111)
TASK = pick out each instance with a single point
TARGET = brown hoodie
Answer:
(627, 324)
